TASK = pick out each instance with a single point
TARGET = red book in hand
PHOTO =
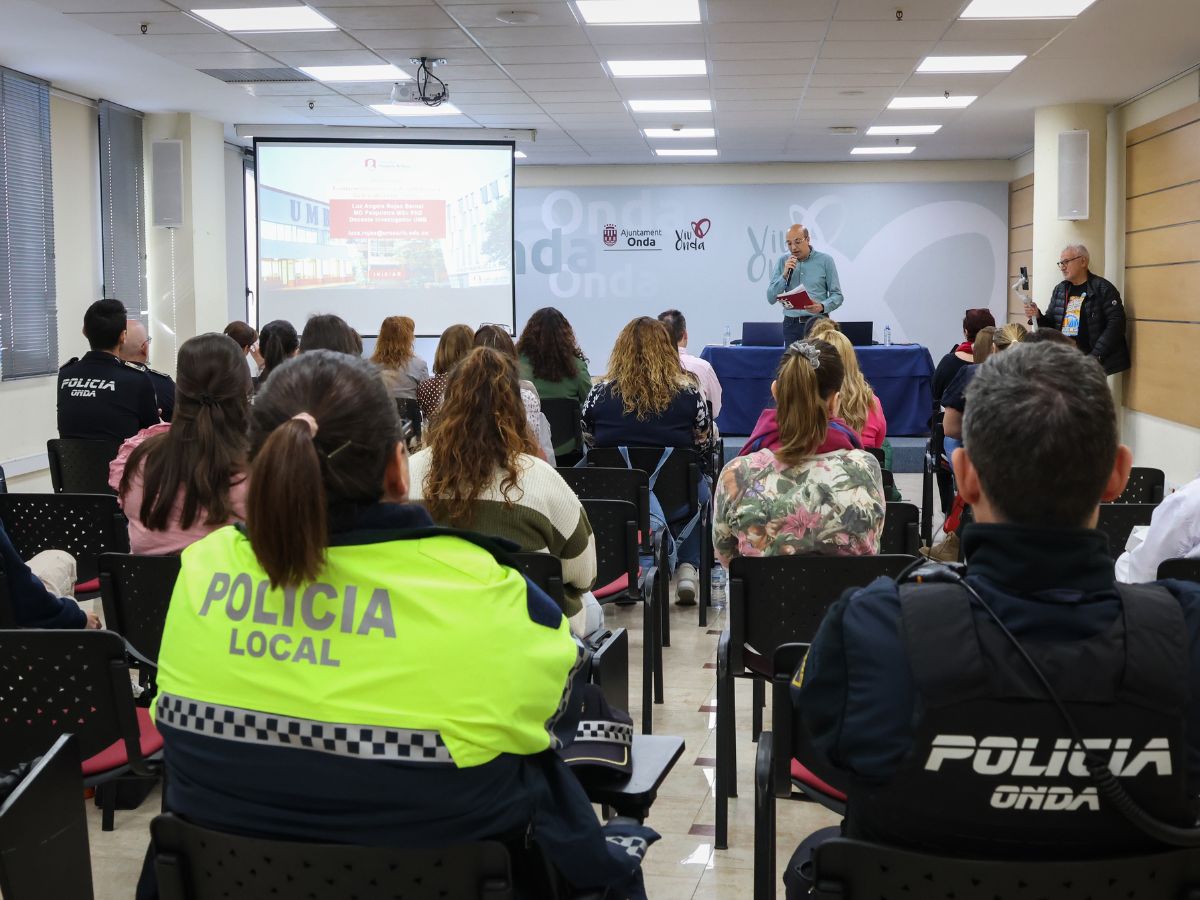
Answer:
(796, 298)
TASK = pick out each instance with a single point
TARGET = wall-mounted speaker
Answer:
(166, 183)
(1073, 174)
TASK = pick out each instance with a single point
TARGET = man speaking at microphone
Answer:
(817, 272)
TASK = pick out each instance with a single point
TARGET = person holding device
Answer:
(812, 270)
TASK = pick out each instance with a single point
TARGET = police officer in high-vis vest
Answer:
(339, 669)
(100, 397)
(922, 710)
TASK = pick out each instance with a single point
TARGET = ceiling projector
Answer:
(411, 93)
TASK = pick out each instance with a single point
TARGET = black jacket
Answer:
(1103, 321)
(102, 398)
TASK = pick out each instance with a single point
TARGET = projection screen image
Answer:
(370, 230)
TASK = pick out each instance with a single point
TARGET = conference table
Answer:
(900, 374)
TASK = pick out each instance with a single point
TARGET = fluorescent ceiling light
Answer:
(679, 132)
(959, 64)
(954, 101)
(638, 12)
(674, 152)
(670, 106)
(520, 154)
(656, 68)
(882, 151)
(267, 18)
(414, 110)
(890, 130)
(1025, 9)
(382, 72)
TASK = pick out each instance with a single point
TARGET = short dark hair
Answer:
(1041, 430)
(1049, 336)
(244, 334)
(103, 324)
(329, 332)
(495, 338)
(675, 322)
(976, 319)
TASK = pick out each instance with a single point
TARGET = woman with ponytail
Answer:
(859, 406)
(277, 342)
(177, 482)
(793, 500)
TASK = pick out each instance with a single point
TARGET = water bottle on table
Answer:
(887, 335)
(727, 339)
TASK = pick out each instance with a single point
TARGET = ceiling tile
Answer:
(325, 101)
(131, 23)
(412, 41)
(530, 36)
(721, 95)
(879, 94)
(247, 59)
(302, 40)
(488, 97)
(637, 35)
(109, 6)
(1002, 30)
(846, 103)
(571, 96)
(726, 110)
(794, 83)
(946, 10)
(600, 108)
(327, 57)
(978, 85)
(514, 120)
(723, 11)
(557, 70)
(985, 47)
(798, 65)
(453, 74)
(288, 90)
(650, 51)
(563, 53)
(765, 32)
(773, 50)
(565, 84)
(210, 42)
(871, 49)
(911, 30)
(849, 79)
(639, 88)
(402, 17)
(336, 3)
(483, 15)
(454, 56)
(867, 66)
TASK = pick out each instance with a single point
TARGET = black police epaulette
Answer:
(150, 371)
(69, 362)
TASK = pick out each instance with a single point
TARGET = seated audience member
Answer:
(178, 482)
(552, 361)
(278, 342)
(1049, 335)
(36, 588)
(859, 407)
(330, 332)
(135, 351)
(648, 400)
(954, 397)
(480, 471)
(455, 343)
(1174, 532)
(710, 386)
(100, 397)
(894, 670)
(447, 670)
(496, 338)
(961, 355)
(821, 326)
(247, 339)
(402, 370)
(794, 499)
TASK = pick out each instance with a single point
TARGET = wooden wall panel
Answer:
(1020, 207)
(1165, 369)
(1162, 246)
(1163, 292)
(1164, 161)
(1020, 239)
(1016, 260)
(1177, 119)
(1174, 206)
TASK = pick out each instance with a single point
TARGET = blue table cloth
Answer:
(900, 376)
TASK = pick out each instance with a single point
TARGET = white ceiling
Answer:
(781, 72)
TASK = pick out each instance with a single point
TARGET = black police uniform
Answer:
(102, 398)
(164, 389)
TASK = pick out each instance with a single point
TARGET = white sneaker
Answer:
(685, 585)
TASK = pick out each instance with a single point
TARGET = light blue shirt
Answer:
(819, 276)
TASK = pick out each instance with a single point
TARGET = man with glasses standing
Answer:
(1088, 309)
(817, 272)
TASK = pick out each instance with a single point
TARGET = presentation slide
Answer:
(396, 228)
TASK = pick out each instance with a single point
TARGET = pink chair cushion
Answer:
(88, 587)
(619, 586)
(801, 774)
(114, 756)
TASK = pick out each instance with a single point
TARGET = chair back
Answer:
(195, 863)
(136, 591)
(566, 424)
(408, 408)
(1144, 486)
(777, 600)
(901, 529)
(614, 527)
(80, 466)
(53, 682)
(1180, 568)
(630, 485)
(678, 483)
(3, 482)
(8, 616)
(850, 868)
(43, 830)
(1117, 520)
(543, 570)
(84, 525)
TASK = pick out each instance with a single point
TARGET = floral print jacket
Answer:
(831, 505)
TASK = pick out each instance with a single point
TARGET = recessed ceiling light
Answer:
(638, 12)
(710, 151)
(520, 154)
(679, 132)
(887, 130)
(383, 72)
(670, 106)
(517, 17)
(656, 68)
(881, 151)
(269, 18)
(414, 110)
(958, 64)
(1025, 9)
(954, 101)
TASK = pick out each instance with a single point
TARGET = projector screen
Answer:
(368, 230)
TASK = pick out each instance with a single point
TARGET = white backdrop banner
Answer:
(910, 255)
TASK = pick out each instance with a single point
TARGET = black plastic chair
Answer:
(194, 863)
(1117, 520)
(935, 471)
(43, 830)
(84, 525)
(610, 664)
(566, 428)
(80, 466)
(3, 482)
(543, 570)
(136, 592)
(1144, 486)
(901, 531)
(1181, 568)
(408, 408)
(773, 601)
(54, 682)
(849, 868)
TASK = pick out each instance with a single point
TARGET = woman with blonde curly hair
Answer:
(402, 370)
(480, 471)
(647, 399)
(860, 408)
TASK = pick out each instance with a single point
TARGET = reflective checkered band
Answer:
(366, 741)
(612, 732)
(634, 846)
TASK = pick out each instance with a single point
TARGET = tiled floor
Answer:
(684, 864)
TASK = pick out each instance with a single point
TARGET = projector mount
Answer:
(427, 88)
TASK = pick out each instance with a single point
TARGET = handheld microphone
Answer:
(787, 273)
